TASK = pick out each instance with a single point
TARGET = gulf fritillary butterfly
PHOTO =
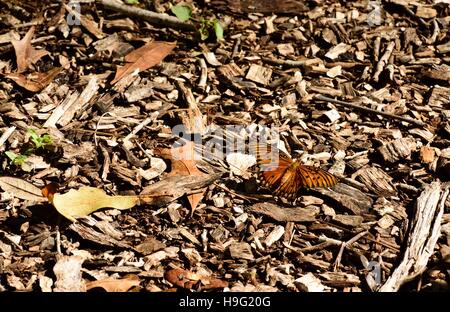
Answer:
(285, 176)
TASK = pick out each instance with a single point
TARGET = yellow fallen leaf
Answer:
(82, 202)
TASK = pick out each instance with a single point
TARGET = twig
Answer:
(369, 110)
(149, 16)
(337, 263)
(58, 241)
(204, 74)
(236, 48)
(376, 49)
(290, 63)
(383, 60)
(436, 32)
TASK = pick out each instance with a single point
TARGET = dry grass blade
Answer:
(21, 189)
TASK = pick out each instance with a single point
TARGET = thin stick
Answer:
(337, 263)
(291, 63)
(369, 110)
(383, 60)
(149, 16)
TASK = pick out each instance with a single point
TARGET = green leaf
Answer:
(204, 32)
(182, 12)
(218, 30)
(46, 139)
(33, 135)
(39, 141)
(131, 1)
(16, 159)
(11, 155)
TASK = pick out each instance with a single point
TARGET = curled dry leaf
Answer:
(143, 58)
(187, 279)
(183, 161)
(21, 189)
(25, 53)
(115, 285)
(35, 82)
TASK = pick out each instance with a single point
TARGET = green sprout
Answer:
(16, 159)
(205, 27)
(40, 141)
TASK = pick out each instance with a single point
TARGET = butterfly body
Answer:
(285, 176)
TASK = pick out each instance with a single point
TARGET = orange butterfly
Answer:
(285, 176)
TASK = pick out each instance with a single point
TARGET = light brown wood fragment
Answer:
(396, 150)
(348, 197)
(376, 180)
(427, 154)
(284, 214)
(424, 231)
(259, 74)
(352, 221)
(241, 251)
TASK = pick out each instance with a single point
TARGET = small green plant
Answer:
(131, 2)
(39, 141)
(182, 12)
(16, 159)
(205, 27)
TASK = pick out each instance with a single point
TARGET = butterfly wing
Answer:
(315, 177)
(272, 165)
(286, 177)
(289, 183)
(298, 176)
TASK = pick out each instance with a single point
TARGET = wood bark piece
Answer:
(383, 60)
(241, 251)
(149, 16)
(73, 103)
(86, 23)
(68, 274)
(284, 214)
(261, 6)
(92, 235)
(348, 197)
(376, 180)
(423, 234)
(369, 110)
(173, 187)
(396, 150)
(259, 74)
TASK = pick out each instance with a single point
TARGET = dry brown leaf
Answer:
(25, 53)
(115, 285)
(187, 279)
(21, 189)
(184, 164)
(143, 58)
(37, 81)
